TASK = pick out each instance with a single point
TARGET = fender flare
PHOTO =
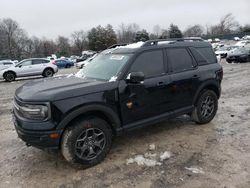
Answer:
(9, 71)
(108, 112)
(207, 84)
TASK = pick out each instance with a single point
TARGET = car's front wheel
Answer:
(9, 76)
(205, 107)
(87, 141)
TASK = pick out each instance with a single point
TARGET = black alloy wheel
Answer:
(90, 143)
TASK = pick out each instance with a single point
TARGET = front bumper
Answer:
(39, 139)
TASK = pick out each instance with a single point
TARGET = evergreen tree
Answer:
(101, 38)
(142, 36)
(174, 31)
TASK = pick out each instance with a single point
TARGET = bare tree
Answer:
(80, 41)
(226, 25)
(63, 46)
(157, 30)
(164, 34)
(194, 31)
(12, 36)
(127, 33)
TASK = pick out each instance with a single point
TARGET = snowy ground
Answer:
(174, 153)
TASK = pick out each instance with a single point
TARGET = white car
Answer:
(81, 64)
(4, 64)
(29, 67)
(224, 50)
(246, 37)
(242, 43)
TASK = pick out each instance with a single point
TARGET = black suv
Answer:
(121, 89)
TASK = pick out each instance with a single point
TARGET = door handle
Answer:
(160, 83)
(195, 76)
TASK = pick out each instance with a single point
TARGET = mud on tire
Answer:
(87, 141)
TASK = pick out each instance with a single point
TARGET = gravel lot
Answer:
(219, 151)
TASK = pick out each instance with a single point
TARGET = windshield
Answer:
(104, 66)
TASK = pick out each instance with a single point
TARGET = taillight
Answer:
(53, 62)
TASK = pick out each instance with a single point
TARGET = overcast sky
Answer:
(50, 18)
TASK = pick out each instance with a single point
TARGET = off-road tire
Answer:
(71, 135)
(9, 76)
(200, 107)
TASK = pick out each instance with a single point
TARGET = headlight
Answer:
(33, 112)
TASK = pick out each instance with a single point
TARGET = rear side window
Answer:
(150, 63)
(200, 59)
(208, 54)
(39, 61)
(180, 59)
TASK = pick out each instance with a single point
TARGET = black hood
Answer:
(58, 88)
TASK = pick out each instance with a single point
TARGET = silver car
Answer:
(29, 67)
(4, 64)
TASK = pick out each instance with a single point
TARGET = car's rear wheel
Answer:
(86, 141)
(67, 66)
(205, 107)
(48, 72)
(9, 76)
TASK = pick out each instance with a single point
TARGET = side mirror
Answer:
(135, 77)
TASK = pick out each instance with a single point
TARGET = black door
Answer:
(184, 75)
(144, 100)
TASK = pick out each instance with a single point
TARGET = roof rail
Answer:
(171, 41)
(116, 45)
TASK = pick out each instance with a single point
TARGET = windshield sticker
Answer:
(117, 57)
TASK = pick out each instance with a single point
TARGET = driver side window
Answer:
(150, 63)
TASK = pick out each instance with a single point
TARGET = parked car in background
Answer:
(242, 43)
(236, 38)
(29, 67)
(81, 64)
(246, 37)
(85, 55)
(74, 58)
(63, 63)
(224, 50)
(239, 55)
(52, 57)
(6, 64)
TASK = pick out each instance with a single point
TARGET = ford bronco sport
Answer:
(121, 89)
